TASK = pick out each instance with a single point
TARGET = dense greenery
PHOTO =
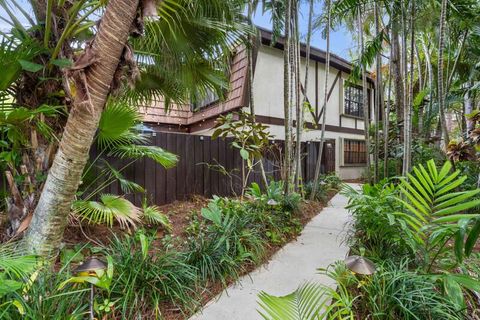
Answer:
(222, 242)
(420, 231)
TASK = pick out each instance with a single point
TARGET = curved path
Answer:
(319, 245)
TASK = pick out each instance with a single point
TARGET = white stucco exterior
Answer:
(268, 99)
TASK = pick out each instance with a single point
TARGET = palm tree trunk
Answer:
(50, 217)
(251, 45)
(318, 165)
(407, 154)
(378, 96)
(386, 119)
(440, 84)
(286, 95)
(426, 53)
(396, 72)
(300, 108)
(366, 106)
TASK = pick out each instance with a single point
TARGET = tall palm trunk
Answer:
(50, 217)
(300, 107)
(440, 84)
(386, 120)
(426, 53)
(366, 106)
(378, 96)
(318, 165)
(407, 153)
(286, 95)
(251, 45)
(396, 71)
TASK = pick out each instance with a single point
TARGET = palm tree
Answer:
(168, 67)
(441, 84)
(366, 107)
(50, 217)
(301, 107)
(325, 102)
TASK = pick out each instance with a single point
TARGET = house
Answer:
(344, 117)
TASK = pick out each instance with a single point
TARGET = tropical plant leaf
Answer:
(109, 208)
(153, 215)
(159, 155)
(306, 303)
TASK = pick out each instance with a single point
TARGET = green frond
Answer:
(306, 303)
(159, 155)
(153, 215)
(126, 185)
(184, 53)
(14, 262)
(109, 208)
(117, 126)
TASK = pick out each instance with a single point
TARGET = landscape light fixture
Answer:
(360, 265)
(89, 268)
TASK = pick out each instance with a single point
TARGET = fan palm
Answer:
(181, 56)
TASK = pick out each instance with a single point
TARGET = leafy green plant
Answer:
(226, 241)
(16, 271)
(437, 214)
(109, 208)
(374, 227)
(147, 276)
(154, 216)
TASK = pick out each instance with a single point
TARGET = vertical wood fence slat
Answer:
(193, 176)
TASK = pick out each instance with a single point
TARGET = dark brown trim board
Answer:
(281, 122)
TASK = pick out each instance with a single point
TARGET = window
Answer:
(209, 99)
(354, 101)
(354, 152)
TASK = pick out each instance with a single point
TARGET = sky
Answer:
(341, 40)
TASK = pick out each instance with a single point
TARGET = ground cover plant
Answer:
(421, 232)
(162, 275)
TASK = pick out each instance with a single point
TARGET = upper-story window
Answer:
(354, 101)
(209, 99)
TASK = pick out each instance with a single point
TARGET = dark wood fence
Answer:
(208, 167)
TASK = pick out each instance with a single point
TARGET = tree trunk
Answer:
(51, 214)
(441, 94)
(407, 154)
(366, 106)
(286, 96)
(428, 112)
(378, 96)
(318, 165)
(468, 108)
(300, 108)
(397, 73)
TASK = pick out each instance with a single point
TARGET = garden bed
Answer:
(159, 272)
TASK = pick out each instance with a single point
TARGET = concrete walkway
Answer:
(319, 245)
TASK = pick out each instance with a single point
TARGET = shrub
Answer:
(226, 240)
(374, 227)
(146, 276)
(326, 183)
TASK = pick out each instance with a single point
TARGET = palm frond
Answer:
(118, 126)
(159, 155)
(306, 303)
(153, 215)
(14, 262)
(184, 53)
(109, 208)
